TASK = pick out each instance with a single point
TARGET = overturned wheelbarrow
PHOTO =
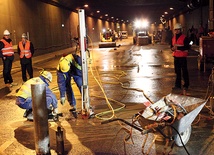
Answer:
(174, 111)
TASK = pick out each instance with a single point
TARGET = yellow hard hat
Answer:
(64, 65)
(46, 75)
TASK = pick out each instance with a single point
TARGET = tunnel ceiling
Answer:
(129, 10)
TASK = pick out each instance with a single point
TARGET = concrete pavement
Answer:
(148, 73)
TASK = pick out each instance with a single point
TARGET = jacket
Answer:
(66, 62)
(75, 70)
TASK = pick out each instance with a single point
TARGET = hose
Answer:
(180, 138)
(99, 82)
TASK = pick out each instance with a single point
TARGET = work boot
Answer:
(73, 108)
(13, 84)
(27, 112)
(30, 117)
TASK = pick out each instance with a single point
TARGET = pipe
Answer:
(59, 141)
(40, 117)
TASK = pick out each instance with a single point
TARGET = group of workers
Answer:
(25, 50)
(69, 67)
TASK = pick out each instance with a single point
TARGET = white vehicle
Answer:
(124, 34)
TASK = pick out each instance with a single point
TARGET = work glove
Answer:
(55, 111)
(62, 100)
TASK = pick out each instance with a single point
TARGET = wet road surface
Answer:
(129, 76)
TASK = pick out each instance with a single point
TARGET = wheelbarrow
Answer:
(176, 112)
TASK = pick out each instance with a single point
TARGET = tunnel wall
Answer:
(195, 18)
(51, 28)
(42, 22)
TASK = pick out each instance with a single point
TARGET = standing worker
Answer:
(26, 51)
(180, 47)
(65, 69)
(24, 96)
(7, 55)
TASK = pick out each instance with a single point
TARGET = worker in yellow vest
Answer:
(68, 65)
(24, 96)
(26, 51)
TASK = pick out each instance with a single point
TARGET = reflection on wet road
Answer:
(129, 76)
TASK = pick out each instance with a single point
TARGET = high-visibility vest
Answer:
(66, 62)
(25, 90)
(179, 42)
(25, 51)
(8, 48)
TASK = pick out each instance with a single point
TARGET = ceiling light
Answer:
(171, 8)
(98, 11)
(86, 5)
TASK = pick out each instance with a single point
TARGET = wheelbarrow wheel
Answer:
(184, 136)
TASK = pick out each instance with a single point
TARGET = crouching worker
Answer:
(24, 96)
(67, 65)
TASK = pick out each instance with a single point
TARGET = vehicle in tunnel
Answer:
(142, 38)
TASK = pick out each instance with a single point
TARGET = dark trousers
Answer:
(27, 67)
(180, 64)
(7, 66)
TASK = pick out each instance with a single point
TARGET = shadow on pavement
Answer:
(4, 91)
(24, 134)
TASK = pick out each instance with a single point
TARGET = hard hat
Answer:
(46, 75)
(178, 26)
(6, 32)
(24, 35)
(64, 65)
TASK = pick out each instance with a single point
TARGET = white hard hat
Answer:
(6, 32)
(178, 26)
(46, 75)
(24, 35)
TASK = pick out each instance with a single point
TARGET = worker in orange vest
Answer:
(26, 51)
(180, 46)
(7, 55)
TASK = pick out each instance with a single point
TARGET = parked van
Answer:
(124, 34)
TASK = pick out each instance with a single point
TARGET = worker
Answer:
(26, 51)
(66, 69)
(24, 96)
(7, 55)
(180, 46)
